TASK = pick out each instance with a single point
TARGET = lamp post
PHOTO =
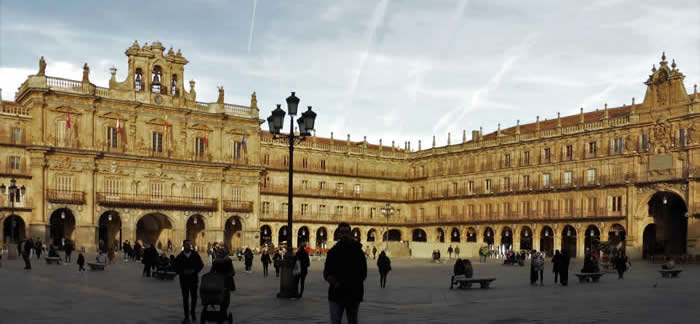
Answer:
(306, 122)
(387, 211)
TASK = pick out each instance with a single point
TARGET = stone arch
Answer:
(489, 235)
(356, 234)
(303, 236)
(526, 238)
(419, 235)
(440, 235)
(507, 238)
(591, 239)
(472, 235)
(62, 223)
(455, 235)
(265, 235)
(668, 210)
(109, 234)
(371, 235)
(547, 240)
(14, 229)
(154, 228)
(568, 240)
(233, 231)
(617, 236)
(195, 230)
(282, 236)
(392, 235)
(321, 237)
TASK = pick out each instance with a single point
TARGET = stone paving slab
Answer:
(417, 292)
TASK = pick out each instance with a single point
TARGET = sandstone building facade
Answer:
(142, 159)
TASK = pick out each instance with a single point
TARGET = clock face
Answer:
(158, 99)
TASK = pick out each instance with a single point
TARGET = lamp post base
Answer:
(288, 284)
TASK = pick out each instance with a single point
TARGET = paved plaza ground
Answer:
(417, 292)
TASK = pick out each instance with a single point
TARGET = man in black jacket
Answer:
(188, 264)
(304, 262)
(345, 270)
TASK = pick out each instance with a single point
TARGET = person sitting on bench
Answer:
(669, 265)
(102, 257)
(589, 265)
(52, 252)
(458, 269)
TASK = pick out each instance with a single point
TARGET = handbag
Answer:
(297, 268)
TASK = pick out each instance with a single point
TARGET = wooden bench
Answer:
(164, 275)
(96, 266)
(50, 260)
(670, 273)
(463, 282)
(589, 277)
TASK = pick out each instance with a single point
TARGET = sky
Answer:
(391, 70)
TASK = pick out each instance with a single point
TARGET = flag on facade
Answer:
(204, 140)
(119, 127)
(245, 148)
(166, 124)
(67, 118)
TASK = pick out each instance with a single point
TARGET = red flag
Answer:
(119, 127)
(67, 118)
(166, 124)
(204, 140)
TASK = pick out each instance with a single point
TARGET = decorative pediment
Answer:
(200, 127)
(66, 109)
(156, 121)
(112, 115)
(665, 85)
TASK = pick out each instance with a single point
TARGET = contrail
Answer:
(252, 25)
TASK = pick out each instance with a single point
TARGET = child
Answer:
(81, 262)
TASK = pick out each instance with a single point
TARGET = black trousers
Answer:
(277, 271)
(27, 262)
(147, 269)
(382, 279)
(189, 295)
(556, 275)
(301, 278)
(265, 266)
(68, 257)
(564, 277)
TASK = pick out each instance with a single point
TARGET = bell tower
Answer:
(665, 85)
(154, 76)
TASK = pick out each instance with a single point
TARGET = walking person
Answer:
(384, 266)
(265, 259)
(38, 247)
(457, 252)
(483, 252)
(188, 264)
(539, 267)
(556, 264)
(248, 255)
(345, 271)
(374, 252)
(68, 249)
(150, 258)
(449, 252)
(276, 260)
(564, 268)
(621, 262)
(224, 265)
(303, 258)
(27, 247)
(80, 262)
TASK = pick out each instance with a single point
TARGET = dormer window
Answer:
(157, 75)
(138, 80)
(173, 86)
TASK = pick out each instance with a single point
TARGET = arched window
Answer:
(173, 86)
(156, 76)
(138, 80)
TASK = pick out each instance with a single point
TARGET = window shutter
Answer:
(611, 146)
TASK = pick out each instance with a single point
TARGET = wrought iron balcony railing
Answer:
(65, 196)
(238, 206)
(156, 201)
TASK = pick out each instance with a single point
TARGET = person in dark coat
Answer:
(276, 262)
(150, 258)
(384, 266)
(265, 259)
(80, 262)
(564, 268)
(52, 251)
(556, 263)
(588, 264)
(345, 271)
(68, 249)
(248, 255)
(38, 247)
(374, 252)
(458, 269)
(533, 271)
(27, 247)
(621, 262)
(187, 265)
(137, 251)
(303, 258)
(224, 265)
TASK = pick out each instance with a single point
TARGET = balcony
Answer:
(238, 206)
(65, 197)
(300, 191)
(351, 172)
(333, 218)
(156, 202)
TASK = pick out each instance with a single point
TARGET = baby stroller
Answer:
(215, 298)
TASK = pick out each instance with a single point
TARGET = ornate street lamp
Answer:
(387, 211)
(306, 126)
